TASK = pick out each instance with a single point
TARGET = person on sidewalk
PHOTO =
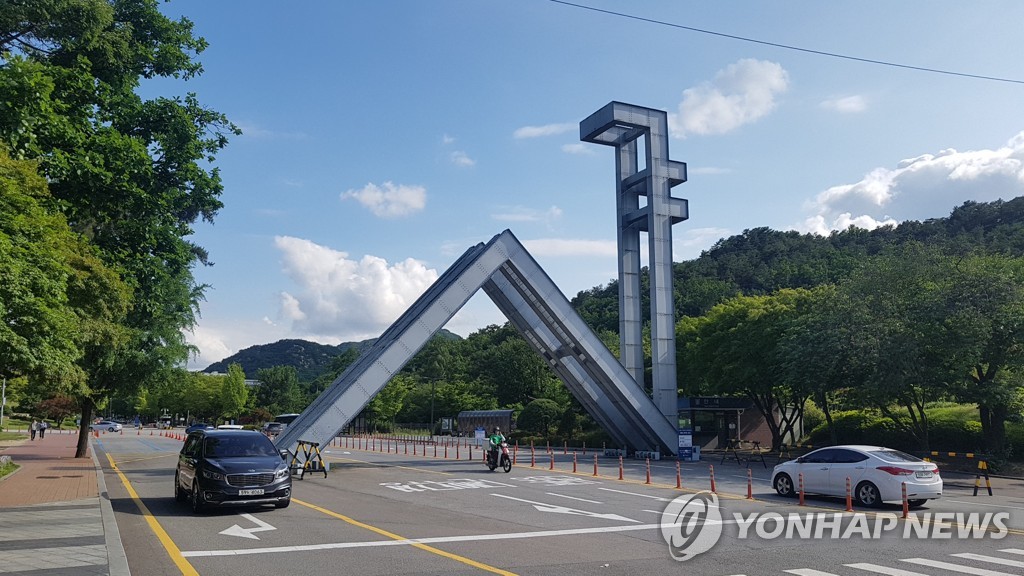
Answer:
(33, 429)
(42, 429)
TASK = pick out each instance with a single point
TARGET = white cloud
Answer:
(740, 94)
(390, 201)
(567, 247)
(928, 186)
(846, 104)
(524, 214)
(546, 130)
(346, 299)
(460, 158)
(688, 243)
(578, 148)
(446, 139)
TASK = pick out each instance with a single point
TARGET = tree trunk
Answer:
(993, 427)
(82, 450)
(822, 401)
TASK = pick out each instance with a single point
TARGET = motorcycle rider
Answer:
(494, 441)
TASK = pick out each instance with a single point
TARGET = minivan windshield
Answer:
(238, 446)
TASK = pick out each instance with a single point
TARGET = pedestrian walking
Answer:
(42, 429)
(33, 429)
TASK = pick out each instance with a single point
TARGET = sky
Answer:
(382, 139)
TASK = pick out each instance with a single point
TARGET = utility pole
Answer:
(3, 402)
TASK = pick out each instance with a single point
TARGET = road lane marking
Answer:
(883, 570)
(430, 540)
(573, 498)
(990, 559)
(172, 550)
(980, 504)
(237, 530)
(954, 567)
(542, 507)
(388, 465)
(397, 538)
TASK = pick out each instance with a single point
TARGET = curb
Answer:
(117, 561)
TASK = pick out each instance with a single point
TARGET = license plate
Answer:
(925, 474)
(259, 491)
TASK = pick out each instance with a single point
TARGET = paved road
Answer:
(385, 513)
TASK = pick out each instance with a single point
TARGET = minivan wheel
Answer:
(784, 485)
(867, 495)
(179, 494)
(198, 501)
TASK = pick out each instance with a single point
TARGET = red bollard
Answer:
(533, 456)
(620, 467)
(435, 450)
(801, 476)
(573, 462)
(470, 452)
(906, 505)
(515, 452)
(648, 471)
(595, 464)
(679, 477)
(849, 496)
(750, 485)
(406, 444)
(445, 450)
(552, 465)
(711, 467)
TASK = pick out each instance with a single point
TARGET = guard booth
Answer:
(716, 421)
(471, 420)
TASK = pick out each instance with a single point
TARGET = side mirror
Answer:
(800, 460)
(285, 454)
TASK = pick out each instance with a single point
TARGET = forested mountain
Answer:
(762, 260)
(310, 359)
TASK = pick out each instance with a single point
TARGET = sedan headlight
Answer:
(281, 474)
(212, 475)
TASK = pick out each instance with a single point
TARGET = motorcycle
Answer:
(505, 460)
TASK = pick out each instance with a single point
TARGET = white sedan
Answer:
(876, 475)
(106, 425)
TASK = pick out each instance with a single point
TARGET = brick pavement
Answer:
(55, 513)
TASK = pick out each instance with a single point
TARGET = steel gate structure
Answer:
(510, 276)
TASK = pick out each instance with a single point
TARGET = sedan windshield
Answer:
(238, 447)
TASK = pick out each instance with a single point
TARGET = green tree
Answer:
(539, 416)
(387, 403)
(736, 349)
(233, 393)
(131, 175)
(279, 390)
(37, 324)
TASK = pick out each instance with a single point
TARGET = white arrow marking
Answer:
(563, 510)
(237, 530)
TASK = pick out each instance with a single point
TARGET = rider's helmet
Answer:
(497, 430)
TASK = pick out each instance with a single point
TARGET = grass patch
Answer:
(7, 468)
(11, 436)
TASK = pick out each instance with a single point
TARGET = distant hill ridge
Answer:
(309, 359)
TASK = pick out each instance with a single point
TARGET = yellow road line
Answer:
(129, 461)
(172, 550)
(393, 536)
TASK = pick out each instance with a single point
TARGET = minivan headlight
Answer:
(212, 475)
(281, 474)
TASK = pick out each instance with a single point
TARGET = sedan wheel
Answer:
(916, 503)
(198, 502)
(784, 485)
(867, 495)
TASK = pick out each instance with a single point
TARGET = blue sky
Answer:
(384, 138)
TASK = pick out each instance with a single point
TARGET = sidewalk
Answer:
(55, 514)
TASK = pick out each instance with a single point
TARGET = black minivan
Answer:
(231, 468)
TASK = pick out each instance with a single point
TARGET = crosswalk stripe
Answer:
(809, 572)
(990, 559)
(1016, 551)
(884, 569)
(955, 567)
